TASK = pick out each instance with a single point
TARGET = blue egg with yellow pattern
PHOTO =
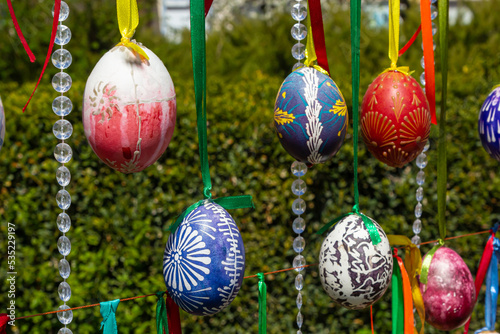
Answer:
(310, 116)
(204, 260)
(489, 124)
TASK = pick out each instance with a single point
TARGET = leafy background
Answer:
(118, 233)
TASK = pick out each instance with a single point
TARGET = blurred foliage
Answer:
(118, 233)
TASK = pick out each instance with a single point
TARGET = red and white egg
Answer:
(129, 109)
(395, 118)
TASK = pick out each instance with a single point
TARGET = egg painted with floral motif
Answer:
(489, 124)
(395, 118)
(2, 124)
(310, 116)
(204, 261)
(129, 109)
(354, 272)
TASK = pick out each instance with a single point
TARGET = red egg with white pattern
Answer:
(395, 118)
(129, 109)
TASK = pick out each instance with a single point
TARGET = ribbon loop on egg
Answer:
(128, 20)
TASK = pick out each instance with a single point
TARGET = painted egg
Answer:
(129, 109)
(489, 124)
(449, 295)
(310, 116)
(354, 272)
(2, 124)
(395, 118)
(204, 261)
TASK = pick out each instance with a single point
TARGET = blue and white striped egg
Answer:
(2, 124)
(489, 124)
(310, 116)
(204, 261)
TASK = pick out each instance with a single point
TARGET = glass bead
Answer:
(434, 12)
(299, 168)
(61, 59)
(299, 243)
(63, 222)
(427, 146)
(299, 299)
(299, 51)
(300, 319)
(299, 282)
(64, 245)
(63, 199)
(299, 11)
(65, 317)
(417, 226)
(299, 206)
(434, 1)
(299, 261)
(65, 330)
(62, 106)
(62, 129)
(299, 31)
(63, 11)
(422, 62)
(64, 291)
(63, 153)
(61, 82)
(299, 225)
(420, 178)
(299, 332)
(299, 187)
(418, 210)
(422, 79)
(420, 194)
(297, 65)
(64, 269)
(63, 35)
(434, 28)
(422, 160)
(415, 240)
(63, 176)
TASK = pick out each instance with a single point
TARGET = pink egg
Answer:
(449, 295)
(129, 109)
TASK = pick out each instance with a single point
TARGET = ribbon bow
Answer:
(108, 312)
(128, 20)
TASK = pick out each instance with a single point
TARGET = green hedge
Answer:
(118, 233)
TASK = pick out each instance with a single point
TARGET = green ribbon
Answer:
(441, 167)
(108, 313)
(397, 300)
(426, 264)
(262, 304)
(228, 203)
(161, 314)
(370, 226)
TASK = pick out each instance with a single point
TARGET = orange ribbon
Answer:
(430, 86)
(407, 296)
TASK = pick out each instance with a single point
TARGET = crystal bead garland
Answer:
(299, 31)
(62, 129)
(299, 188)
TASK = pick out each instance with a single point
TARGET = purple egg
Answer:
(310, 116)
(449, 295)
(204, 261)
(489, 124)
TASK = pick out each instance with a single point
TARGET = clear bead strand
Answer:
(62, 129)
(299, 31)
(299, 188)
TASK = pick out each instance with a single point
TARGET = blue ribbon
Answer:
(108, 310)
(490, 311)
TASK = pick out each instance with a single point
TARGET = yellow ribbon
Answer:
(402, 69)
(311, 57)
(413, 264)
(393, 32)
(128, 20)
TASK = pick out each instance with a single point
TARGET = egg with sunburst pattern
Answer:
(489, 124)
(395, 118)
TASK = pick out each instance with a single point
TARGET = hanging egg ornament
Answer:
(2, 125)
(489, 124)
(449, 295)
(310, 116)
(129, 109)
(354, 272)
(395, 118)
(204, 261)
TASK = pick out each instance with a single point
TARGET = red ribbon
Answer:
(318, 33)
(410, 42)
(430, 85)
(481, 271)
(174, 318)
(55, 22)
(3, 322)
(19, 32)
